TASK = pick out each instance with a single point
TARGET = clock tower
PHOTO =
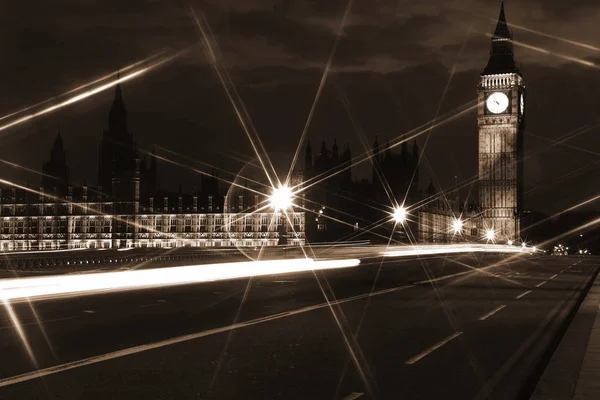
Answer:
(500, 121)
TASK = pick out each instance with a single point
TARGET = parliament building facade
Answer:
(126, 210)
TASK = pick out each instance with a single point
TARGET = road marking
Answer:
(161, 301)
(494, 311)
(185, 338)
(429, 350)
(540, 284)
(441, 278)
(523, 295)
(553, 276)
(89, 311)
(353, 396)
(41, 322)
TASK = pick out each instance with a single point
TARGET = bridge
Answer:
(455, 323)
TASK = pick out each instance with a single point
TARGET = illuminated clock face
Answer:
(497, 103)
(522, 104)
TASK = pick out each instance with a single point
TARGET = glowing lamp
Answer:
(510, 242)
(281, 198)
(490, 234)
(457, 225)
(399, 215)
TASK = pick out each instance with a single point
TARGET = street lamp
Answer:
(490, 234)
(281, 198)
(510, 242)
(457, 225)
(399, 215)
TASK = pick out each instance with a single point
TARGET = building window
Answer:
(78, 224)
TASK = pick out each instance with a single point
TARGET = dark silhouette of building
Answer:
(127, 209)
(342, 208)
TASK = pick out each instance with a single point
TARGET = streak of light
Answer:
(40, 325)
(83, 207)
(319, 90)
(439, 107)
(349, 341)
(559, 38)
(95, 81)
(17, 325)
(361, 136)
(552, 53)
(216, 168)
(230, 334)
(15, 165)
(53, 286)
(365, 157)
(405, 251)
(89, 93)
(234, 98)
(56, 369)
(232, 183)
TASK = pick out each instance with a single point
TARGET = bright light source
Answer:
(510, 242)
(534, 249)
(490, 234)
(457, 225)
(281, 198)
(400, 215)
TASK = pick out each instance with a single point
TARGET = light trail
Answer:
(552, 53)
(17, 325)
(405, 251)
(87, 94)
(49, 287)
(561, 39)
(319, 90)
(367, 156)
(103, 78)
(235, 99)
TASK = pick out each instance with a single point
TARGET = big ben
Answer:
(501, 121)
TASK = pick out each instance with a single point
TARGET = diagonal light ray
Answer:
(234, 98)
(319, 90)
(85, 85)
(90, 92)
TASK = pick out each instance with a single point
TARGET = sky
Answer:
(397, 65)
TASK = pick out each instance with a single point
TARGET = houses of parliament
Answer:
(126, 209)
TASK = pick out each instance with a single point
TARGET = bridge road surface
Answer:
(432, 329)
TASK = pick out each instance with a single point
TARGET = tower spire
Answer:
(501, 54)
(502, 30)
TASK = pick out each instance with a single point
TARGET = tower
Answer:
(501, 121)
(56, 170)
(118, 152)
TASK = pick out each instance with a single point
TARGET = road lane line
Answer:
(41, 322)
(553, 276)
(441, 278)
(540, 284)
(185, 338)
(89, 311)
(431, 349)
(523, 295)
(494, 311)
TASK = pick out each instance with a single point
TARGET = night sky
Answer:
(392, 64)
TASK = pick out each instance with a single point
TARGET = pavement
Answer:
(573, 370)
(462, 326)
